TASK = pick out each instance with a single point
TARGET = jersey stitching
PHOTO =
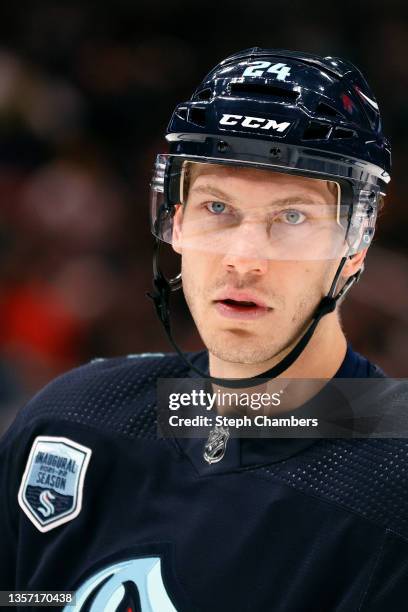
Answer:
(374, 569)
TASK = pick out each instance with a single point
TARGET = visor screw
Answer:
(275, 152)
(222, 146)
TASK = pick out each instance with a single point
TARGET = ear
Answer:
(177, 223)
(354, 264)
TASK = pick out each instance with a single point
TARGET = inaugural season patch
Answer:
(51, 489)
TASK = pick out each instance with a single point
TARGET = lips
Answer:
(241, 305)
(238, 298)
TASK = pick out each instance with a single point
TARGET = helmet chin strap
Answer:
(161, 300)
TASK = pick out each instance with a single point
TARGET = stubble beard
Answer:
(238, 346)
(244, 346)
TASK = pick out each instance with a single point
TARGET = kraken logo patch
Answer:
(51, 488)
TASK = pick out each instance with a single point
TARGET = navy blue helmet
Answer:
(257, 105)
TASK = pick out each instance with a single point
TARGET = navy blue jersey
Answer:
(94, 502)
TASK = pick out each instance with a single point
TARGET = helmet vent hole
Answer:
(343, 133)
(182, 113)
(326, 110)
(262, 89)
(317, 131)
(204, 94)
(222, 146)
(197, 116)
(275, 153)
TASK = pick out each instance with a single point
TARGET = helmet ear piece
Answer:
(361, 229)
(365, 240)
(367, 237)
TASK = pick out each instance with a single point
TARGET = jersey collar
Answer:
(244, 453)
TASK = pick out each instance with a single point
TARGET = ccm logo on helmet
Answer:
(254, 122)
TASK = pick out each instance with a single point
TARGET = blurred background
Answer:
(86, 91)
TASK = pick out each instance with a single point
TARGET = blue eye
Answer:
(293, 217)
(216, 207)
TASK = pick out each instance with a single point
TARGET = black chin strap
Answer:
(161, 300)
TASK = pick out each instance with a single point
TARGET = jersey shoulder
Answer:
(368, 477)
(115, 394)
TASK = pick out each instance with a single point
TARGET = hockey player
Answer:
(276, 170)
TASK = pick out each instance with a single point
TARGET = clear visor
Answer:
(252, 213)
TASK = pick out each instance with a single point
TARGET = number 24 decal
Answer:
(256, 69)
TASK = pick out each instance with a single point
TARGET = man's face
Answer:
(288, 289)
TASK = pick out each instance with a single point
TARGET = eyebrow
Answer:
(219, 193)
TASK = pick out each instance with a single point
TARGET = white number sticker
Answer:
(257, 69)
(281, 71)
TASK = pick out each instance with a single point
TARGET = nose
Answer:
(246, 251)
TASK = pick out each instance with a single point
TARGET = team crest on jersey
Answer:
(51, 488)
(135, 585)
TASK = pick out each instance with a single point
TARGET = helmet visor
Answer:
(250, 212)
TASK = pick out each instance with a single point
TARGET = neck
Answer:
(321, 358)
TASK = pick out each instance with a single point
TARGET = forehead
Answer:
(238, 179)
